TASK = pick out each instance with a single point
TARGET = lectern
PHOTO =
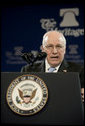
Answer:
(63, 105)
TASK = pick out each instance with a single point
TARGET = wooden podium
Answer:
(64, 105)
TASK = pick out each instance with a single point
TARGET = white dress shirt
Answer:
(47, 66)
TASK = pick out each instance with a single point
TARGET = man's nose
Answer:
(54, 50)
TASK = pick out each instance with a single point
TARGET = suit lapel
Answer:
(63, 67)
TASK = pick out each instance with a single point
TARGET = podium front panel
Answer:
(64, 105)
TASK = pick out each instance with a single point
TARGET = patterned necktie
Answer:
(51, 69)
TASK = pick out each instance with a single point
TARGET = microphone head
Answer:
(42, 55)
(28, 57)
(32, 57)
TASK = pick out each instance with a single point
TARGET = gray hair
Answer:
(45, 38)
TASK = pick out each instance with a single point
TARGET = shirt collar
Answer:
(47, 66)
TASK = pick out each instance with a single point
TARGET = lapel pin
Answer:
(64, 70)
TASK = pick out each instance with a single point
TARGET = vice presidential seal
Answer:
(27, 94)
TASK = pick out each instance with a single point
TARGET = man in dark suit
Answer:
(54, 45)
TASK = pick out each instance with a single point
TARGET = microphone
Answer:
(33, 56)
(28, 57)
(41, 55)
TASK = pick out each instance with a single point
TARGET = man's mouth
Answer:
(55, 57)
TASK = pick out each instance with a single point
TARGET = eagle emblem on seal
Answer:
(26, 96)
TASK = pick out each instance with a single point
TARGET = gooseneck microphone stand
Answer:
(33, 56)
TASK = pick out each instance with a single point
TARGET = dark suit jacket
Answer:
(65, 66)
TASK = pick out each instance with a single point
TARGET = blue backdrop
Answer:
(22, 29)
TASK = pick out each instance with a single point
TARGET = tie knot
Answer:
(51, 69)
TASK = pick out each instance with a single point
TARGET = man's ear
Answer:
(41, 48)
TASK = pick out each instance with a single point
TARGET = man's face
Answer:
(55, 50)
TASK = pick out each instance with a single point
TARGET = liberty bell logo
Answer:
(69, 17)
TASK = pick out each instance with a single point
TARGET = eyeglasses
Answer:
(51, 47)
